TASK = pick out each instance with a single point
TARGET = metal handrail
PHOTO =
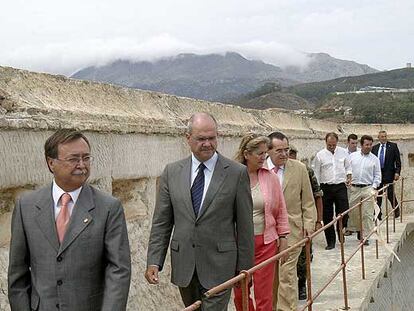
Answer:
(244, 276)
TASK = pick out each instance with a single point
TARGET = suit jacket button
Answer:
(59, 282)
(57, 306)
(59, 259)
(193, 245)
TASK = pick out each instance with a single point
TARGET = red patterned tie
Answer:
(63, 218)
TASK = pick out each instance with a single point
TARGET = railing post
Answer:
(402, 199)
(376, 241)
(393, 205)
(386, 213)
(308, 246)
(361, 230)
(245, 290)
(345, 288)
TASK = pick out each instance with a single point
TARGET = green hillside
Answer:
(315, 92)
(369, 108)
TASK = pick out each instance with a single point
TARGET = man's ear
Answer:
(50, 163)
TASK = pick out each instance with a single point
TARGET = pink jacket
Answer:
(276, 217)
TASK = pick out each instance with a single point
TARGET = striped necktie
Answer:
(197, 189)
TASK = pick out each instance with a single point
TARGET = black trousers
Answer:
(334, 194)
(195, 291)
(390, 197)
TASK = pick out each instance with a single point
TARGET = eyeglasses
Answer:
(76, 160)
(205, 139)
(279, 151)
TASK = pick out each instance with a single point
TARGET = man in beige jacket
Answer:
(297, 190)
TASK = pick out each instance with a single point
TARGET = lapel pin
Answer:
(85, 220)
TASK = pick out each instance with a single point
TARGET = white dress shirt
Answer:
(57, 193)
(366, 169)
(280, 171)
(349, 152)
(332, 168)
(208, 172)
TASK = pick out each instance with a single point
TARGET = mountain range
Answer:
(217, 77)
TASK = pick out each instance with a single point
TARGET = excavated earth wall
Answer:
(133, 135)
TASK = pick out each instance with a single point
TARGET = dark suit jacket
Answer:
(219, 242)
(392, 161)
(90, 270)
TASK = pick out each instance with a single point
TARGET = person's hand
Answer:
(318, 225)
(396, 177)
(348, 181)
(152, 274)
(283, 244)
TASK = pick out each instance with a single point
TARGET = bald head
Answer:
(200, 118)
(202, 135)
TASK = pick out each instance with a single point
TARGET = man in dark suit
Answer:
(69, 246)
(205, 201)
(389, 156)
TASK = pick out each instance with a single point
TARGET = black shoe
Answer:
(329, 247)
(366, 243)
(302, 292)
(359, 235)
(380, 216)
(397, 213)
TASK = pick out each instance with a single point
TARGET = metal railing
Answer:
(244, 276)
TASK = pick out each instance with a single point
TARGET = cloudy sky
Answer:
(64, 36)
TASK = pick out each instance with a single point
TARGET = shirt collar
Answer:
(271, 166)
(210, 163)
(336, 148)
(57, 193)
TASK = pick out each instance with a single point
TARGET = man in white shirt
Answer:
(352, 143)
(352, 146)
(366, 178)
(333, 171)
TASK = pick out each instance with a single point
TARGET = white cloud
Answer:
(51, 36)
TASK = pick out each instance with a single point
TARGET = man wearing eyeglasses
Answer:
(204, 203)
(69, 247)
(297, 190)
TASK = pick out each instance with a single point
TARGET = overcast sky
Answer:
(64, 36)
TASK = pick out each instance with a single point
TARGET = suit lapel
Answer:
(287, 175)
(387, 153)
(219, 175)
(46, 217)
(80, 219)
(185, 182)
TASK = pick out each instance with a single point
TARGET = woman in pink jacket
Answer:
(269, 217)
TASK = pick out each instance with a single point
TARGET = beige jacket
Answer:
(300, 204)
